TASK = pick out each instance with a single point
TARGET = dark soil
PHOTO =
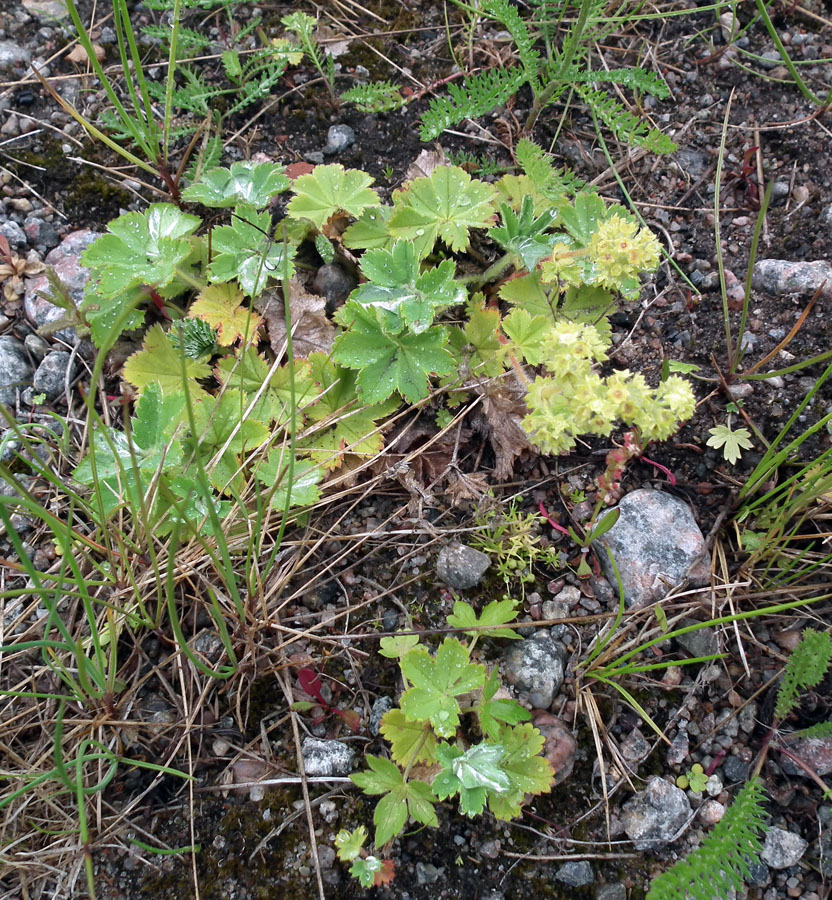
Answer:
(261, 849)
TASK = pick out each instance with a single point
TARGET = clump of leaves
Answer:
(450, 737)
(570, 260)
(513, 538)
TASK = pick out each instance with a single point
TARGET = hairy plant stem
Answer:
(570, 49)
(493, 271)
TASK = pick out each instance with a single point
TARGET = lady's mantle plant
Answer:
(564, 261)
(450, 737)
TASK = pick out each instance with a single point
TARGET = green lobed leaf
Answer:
(528, 293)
(330, 190)
(402, 297)
(219, 305)
(224, 433)
(141, 248)
(354, 426)
(446, 784)
(581, 219)
(528, 335)
(304, 487)
(245, 252)
(370, 231)
(102, 313)
(405, 737)
(245, 182)
(160, 362)
(382, 777)
(437, 681)
(528, 772)
(396, 646)
(121, 475)
(495, 614)
(732, 441)
(523, 235)
(349, 843)
(445, 205)
(390, 363)
(492, 713)
(365, 870)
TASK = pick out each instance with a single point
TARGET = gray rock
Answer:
(427, 873)
(692, 161)
(770, 58)
(782, 848)
(758, 873)
(552, 610)
(779, 193)
(635, 746)
(702, 642)
(42, 235)
(65, 259)
(325, 758)
(14, 234)
(461, 567)
(315, 157)
(679, 748)
(35, 346)
(575, 874)
(380, 707)
(655, 543)
(656, 815)
(335, 284)
(15, 369)
(47, 9)
(11, 127)
(781, 276)
(535, 667)
(12, 54)
(611, 892)
(734, 769)
(51, 375)
(338, 138)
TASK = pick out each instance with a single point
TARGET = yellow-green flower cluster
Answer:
(574, 399)
(621, 251)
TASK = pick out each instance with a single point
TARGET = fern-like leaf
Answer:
(721, 864)
(194, 95)
(622, 123)
(377, 97)
(806, 667)
(554, 184)
(635, 79)
(507, 15)
(821, 730)
(475, 97)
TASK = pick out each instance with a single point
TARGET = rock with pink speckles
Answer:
(780, 276)
(656, 544)
(65, 259)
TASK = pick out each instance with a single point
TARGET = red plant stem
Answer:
(556, 525)
(670, 476)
